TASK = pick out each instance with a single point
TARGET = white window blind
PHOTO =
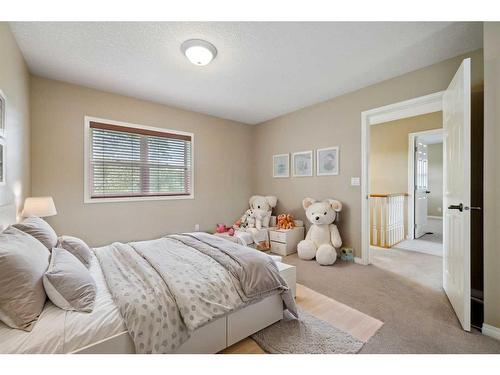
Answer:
(135, 162)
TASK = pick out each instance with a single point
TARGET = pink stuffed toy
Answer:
(221, 228)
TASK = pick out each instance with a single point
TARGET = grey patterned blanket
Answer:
(168, 287)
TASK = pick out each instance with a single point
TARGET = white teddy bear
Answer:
(262, 207)
(323, 237)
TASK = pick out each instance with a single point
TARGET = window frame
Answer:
(87, 189)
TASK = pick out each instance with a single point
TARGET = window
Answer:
(422, 173)
(135, 162)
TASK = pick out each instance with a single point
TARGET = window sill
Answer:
(88, 200)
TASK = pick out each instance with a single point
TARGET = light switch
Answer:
(355, 181)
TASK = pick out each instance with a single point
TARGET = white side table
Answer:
(284, 241)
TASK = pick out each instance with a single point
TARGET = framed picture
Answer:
(302, 164)
(281, 165)
(327, 161)
(2, 114)
(2, 161)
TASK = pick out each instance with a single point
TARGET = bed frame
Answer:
(209, 339)
(216, 335)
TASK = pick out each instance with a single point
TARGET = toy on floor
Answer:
(347, 254)
(323, 236)
(285, 221)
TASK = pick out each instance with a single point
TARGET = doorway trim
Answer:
(411, 177)
(408, 108)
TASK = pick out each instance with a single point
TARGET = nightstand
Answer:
(284, 241)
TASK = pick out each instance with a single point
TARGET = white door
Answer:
(421, 188)
(457, 164)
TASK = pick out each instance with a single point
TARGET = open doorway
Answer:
(425, 186)
(462, 140)
(406, 197)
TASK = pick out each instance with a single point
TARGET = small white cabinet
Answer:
(284, 241)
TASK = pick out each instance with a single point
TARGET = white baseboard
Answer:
(359, 260)
(491, 331)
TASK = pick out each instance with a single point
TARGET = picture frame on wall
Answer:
(281, 166)
(327, 161)
(302, 164)
(2, 161)
(2, 114)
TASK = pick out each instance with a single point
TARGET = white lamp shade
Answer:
(39, 206)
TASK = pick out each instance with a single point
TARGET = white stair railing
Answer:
(387, 219)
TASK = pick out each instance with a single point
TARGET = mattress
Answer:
(60, 331)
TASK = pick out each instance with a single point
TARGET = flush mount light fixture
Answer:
(199, 52)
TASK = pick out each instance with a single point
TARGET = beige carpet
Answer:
(426, 244)
(417, 318)
(424, 269)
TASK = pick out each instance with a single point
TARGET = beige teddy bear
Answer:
(323, 238)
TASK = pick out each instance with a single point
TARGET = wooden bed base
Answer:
(209, 339)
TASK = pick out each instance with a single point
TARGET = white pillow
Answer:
(23, 261)
(77, 247)
(68, 284)
(39, 229)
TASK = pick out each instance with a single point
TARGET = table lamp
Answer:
(39, 206)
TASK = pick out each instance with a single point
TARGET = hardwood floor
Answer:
(356, 323)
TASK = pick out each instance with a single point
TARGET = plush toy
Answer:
(245, 220)
(221, 228)
(261, 207)
(323, 237)
(347, 254)
(285, 221)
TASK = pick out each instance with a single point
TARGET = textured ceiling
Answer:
(262, 70)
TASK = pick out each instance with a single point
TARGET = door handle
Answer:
(427, 192)
(459, 207)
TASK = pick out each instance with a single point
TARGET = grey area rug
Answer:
(307, 335)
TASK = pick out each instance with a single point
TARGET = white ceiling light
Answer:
(199, 52)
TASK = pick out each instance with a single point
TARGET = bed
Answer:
(109, 328)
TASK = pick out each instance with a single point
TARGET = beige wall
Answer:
(222, 154)
(14, 82)
(435, 175)
(338, 122)
(389, 151)
(492, 173)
